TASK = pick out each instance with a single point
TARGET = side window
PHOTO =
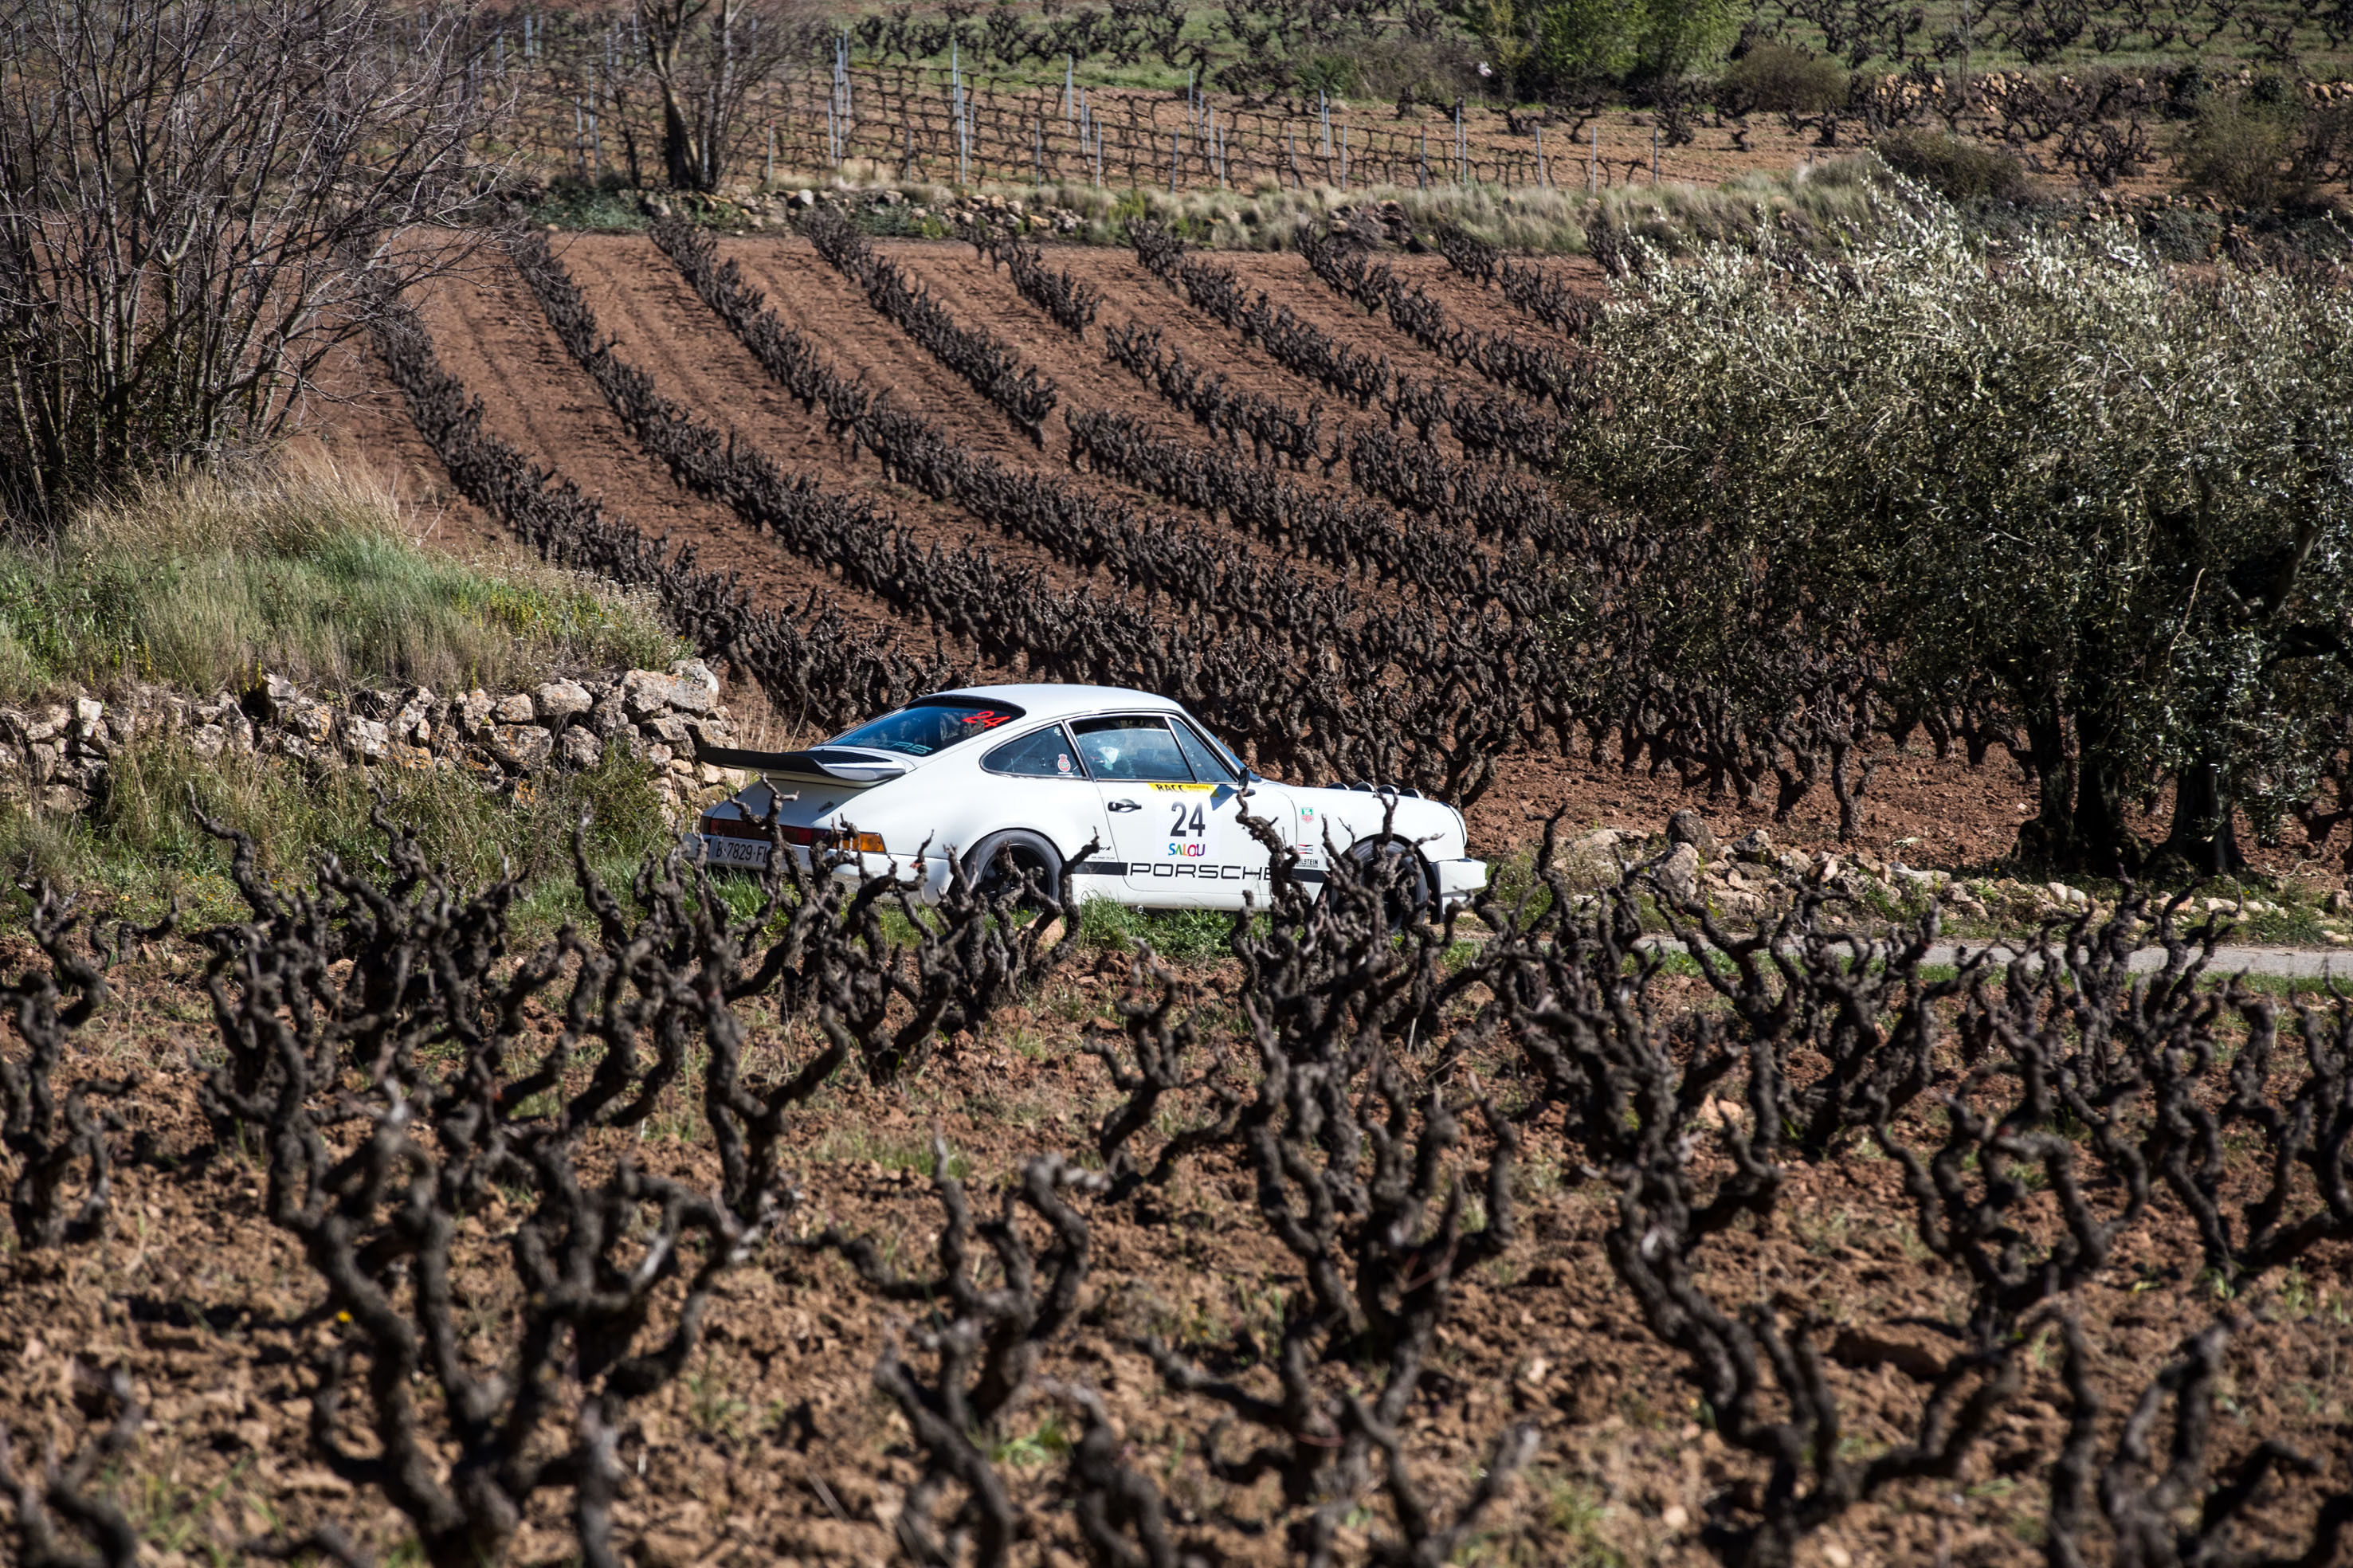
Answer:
(1139, 751)
(1208, 766)
(1046, 754)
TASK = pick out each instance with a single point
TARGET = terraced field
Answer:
(1323, 524)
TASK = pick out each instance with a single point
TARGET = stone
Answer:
(579, 748)
(368, 740)
(694, 669)
(1679, 873)
(648, 693)
(514, 709)
(2339, 902)
(1594, 861)
(1690, 828)
(414, 720)
(64, 799)
(1962, 902)
(280, 698)
(474, 712)
(521, 748)
(670, 730)
(88, 712)
(711, 733)
(207, 741)
(314, 723)
(559, 700)
(611, 715)
(1754, 845)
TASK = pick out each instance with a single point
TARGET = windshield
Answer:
(933, 725)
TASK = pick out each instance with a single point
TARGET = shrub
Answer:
(2241, 154)
(1773, 78)
(1959, 171)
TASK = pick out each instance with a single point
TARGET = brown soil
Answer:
(775, 1446)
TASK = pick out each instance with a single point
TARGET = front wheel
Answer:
(1001, 864)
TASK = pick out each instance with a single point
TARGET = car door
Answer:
(1173, 808)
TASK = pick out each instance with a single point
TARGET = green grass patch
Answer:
(203, 582)
(140, 847)
(1181, 936)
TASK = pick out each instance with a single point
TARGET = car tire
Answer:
(1411, 899)
(1031, 854)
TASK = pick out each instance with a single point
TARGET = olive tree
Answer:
(200, 200)
(2116, 496)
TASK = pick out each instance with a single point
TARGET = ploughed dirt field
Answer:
(1920, 809)
(776, 1441)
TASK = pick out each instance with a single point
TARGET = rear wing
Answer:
(821, 764)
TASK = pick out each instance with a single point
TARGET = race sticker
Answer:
(1062, 762)
(1182, 788)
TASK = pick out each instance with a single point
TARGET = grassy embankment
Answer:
(202, 584)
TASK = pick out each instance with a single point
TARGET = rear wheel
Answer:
(1397, 873)
(1000, 863)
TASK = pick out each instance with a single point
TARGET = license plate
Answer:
(733, 851)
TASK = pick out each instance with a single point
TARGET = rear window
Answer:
(934, 724)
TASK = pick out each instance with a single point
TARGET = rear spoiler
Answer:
(824, 764)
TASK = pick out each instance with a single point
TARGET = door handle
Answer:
(1122, 805)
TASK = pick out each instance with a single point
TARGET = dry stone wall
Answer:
(57, 756)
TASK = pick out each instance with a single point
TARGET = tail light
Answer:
(806, 838)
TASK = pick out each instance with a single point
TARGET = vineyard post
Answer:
(1544, 177)
(1070, 80)
(769, 178)
(1964, 83)
(1654, 155)
(1593, 164)
(1344, 157)
(1421, 166)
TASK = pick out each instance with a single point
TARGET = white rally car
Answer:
(1031, 774)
